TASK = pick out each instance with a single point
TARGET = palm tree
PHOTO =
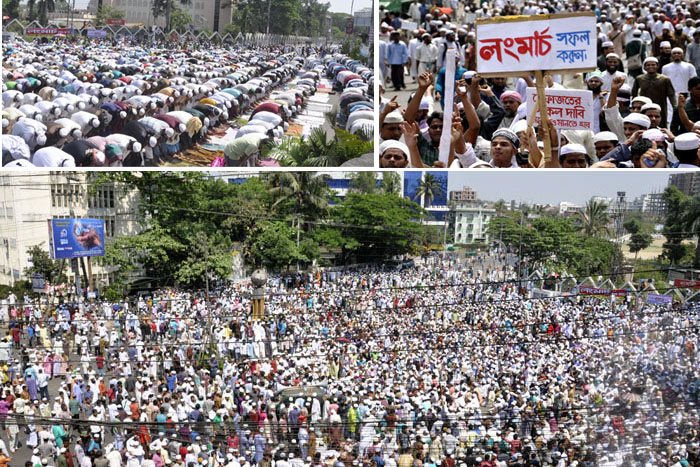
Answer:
(594, 218)
(307, 191)
(46, 7)
(691, 220)
(500, 207)
(429, 187)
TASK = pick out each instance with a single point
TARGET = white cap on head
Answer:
(687, 142)
(605, 136)
(572, 148)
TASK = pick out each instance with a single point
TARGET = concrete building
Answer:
(28, 202)
(471, 222)
(651, 203)
(566, 207)
(205, 14)
(466, 194)
(687, 182)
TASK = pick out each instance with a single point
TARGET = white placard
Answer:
(408, 25)
(446, 137)
(538, 42)
(567, 109)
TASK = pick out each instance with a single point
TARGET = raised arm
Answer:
(424, 82)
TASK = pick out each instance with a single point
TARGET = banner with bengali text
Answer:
(538, 42)
(567, 109)
(586, 290)
(47, 31)
(686, 284)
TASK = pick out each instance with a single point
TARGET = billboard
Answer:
(73, 238)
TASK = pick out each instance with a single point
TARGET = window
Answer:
(10, 212)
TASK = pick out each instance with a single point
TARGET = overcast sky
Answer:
(551, 187)
(343, 6)
(339, 6)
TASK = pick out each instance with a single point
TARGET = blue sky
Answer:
(551, 187)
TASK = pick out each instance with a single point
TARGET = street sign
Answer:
(38, 283)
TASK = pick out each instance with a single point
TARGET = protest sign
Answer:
(511, 45)
(567, 109)
(408, 25)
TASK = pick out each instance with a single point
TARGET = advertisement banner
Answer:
(512, 44)
(349, 26)
(686, 284)
(659, 299)
(567, 109)
(73, 238)
(47, 31)
(96, 33)
(586, 290)
(116, 21)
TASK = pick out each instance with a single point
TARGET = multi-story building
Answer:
(28, 202)
(471, 222)
(651, 203)
(466, 194)
(687, 182)
(566, 207)
(205, 14)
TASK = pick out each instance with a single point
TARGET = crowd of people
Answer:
(646, 90)
(439, 363)
(121, 104)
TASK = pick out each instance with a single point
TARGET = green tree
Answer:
(429, 188)
(274, 246)
(375, 227)
(632, 226)
(675, 224)
(364, 182)
(208, 253)
(180, 20)
(594, 218)
(165, 8)
(45, 7)
(500, 207)
(639, 241)
(391, 183)
(691, 221)
(51, 269)
(105, 13)
(10, 8)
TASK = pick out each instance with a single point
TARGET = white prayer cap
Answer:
(605, 136)
(654, 134)
(637, 119)
(687, 142)
(650, 106)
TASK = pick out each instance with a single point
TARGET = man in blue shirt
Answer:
(440, 83)
(397, 57)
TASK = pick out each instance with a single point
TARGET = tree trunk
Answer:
(697, 253)
(168, 13)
